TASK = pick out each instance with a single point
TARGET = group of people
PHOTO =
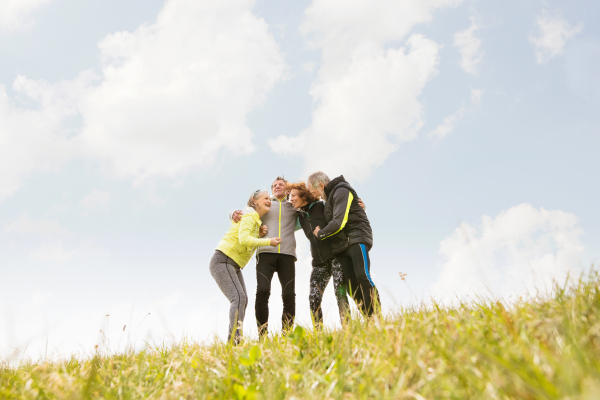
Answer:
(333, 219)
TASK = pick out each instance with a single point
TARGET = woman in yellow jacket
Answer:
(233, 253)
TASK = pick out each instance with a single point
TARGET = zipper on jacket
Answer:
(279, 245)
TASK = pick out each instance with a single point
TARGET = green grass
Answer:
(534, 349)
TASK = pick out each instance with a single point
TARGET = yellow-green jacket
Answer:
(242, 239)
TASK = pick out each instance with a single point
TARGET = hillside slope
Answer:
(536, 349)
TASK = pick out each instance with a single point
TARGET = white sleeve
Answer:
(231, 213)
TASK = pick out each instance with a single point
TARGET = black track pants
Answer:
(357, 270)
(285, 266)
(319, 279)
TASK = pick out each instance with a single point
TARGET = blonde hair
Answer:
(255, 195)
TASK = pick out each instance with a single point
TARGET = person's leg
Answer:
(265, 268)
(340, 287)
(227, 275)
(362, 270)
(350, 282)
(243, 285)
(286, 271)
(319, 278)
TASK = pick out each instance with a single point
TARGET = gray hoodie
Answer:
(282, 222)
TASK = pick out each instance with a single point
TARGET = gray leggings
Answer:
(228, 276)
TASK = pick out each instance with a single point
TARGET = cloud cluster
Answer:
(468, 46)
(18, 14)
(175, 93)
(447, 125)
(551, 35)
(520, 251)
(95, 199)
(365, 99)
(33, 134)
(51, 242)
(170, 97)
(25, 225)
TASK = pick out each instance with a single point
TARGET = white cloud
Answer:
(18, 14)
(171, 97)
(476, 96)
(95, 199)
(56, 252)
(175, 93)
(32, 131)
(365, 100)
(52, 253)
(309, 66)
(57, 244)
(25, 225)
(447, 125)
(551, 35)
(520, 251)
(468, 46)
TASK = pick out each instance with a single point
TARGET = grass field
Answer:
(535, 349)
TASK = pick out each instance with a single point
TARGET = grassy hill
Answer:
(535, 349)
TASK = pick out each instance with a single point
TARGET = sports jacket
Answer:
(311, 216)
(282, 222)
(242, 239)
(345, 215)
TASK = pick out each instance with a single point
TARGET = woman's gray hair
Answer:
(255, 195)
(316, 178)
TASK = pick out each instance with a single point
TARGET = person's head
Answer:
(300, 195)
(317, 183)
(260, 201)
(278, 187)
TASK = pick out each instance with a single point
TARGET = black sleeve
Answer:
(342, 200)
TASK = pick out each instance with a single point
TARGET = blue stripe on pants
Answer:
(366, 262)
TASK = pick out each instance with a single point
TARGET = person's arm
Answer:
(342, 200)
(298, 226)
(236, 215)
(360, 203)
(245, 233)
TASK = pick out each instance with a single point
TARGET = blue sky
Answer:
(129, 129)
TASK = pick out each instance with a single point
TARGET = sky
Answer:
(129, 129)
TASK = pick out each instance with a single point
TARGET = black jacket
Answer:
(345, 215)
(311, 216)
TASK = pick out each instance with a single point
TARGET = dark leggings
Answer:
(357, 270)
(285, 266)
(319, 279)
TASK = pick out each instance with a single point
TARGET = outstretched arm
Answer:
(342, 200)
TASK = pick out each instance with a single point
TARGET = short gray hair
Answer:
(316, 178)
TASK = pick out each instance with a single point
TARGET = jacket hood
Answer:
(251, 211)
(332, 184)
